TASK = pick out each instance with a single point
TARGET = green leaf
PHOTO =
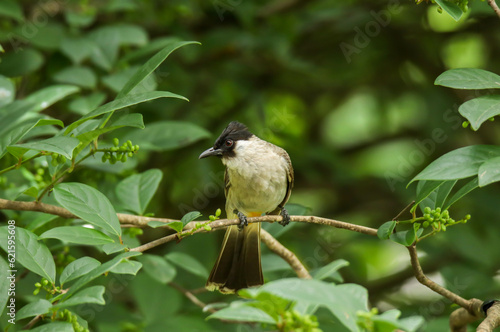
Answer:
(153, 46)
(468, 78)
(78, 268)
(81, 76)
(344, 301)
(88, 204)
(85, 104)
(77, 49)
(4, 284)
(458, 164)
(112, 248)
(330, 269)
(62, 145)
(187, 263)
(117, 80)
(489, 172)
(54, 327)
(479, 110)
(38, 307)
(190, 216)
(156, 224)
(127, 267)
(77, 234)
(7, 91)
(442, 193)
(98, 271)
(136, 191)
(122, 103)
(451, 8)
(12, 9)
(240, 311)
(424, 189)
(176, 226)
(93, 294)
(30, 253)
(405, 238)
(167, 135)
(158, 268)
(22, 62)
(386, 229)
(150, 66)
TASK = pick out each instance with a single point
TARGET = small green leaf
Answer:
(12, 9)
(442, 193)
(127, 267)
(150, 66)
(481, 109)
(187, 263)
(458, 164)
(77, 49)
(78, 268)
(405, 238)
(190, 216)
(240, 311)
(112, 248)
(158, 268)
(93, 294)
(176, 226)
(136, 191)
(386, 229)
(156, 224)
(81, 76)
(22, 62)
(88, 204)
(471, 185)
(38, 307)
(77, 234)
(85, 104)
(62, 145)
(7, 91)
(54, 327)
(468, 78)
(330, 269)
(451, 8)
(489, 172)
(98, 271)
(30, 253)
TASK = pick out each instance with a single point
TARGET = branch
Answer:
(284, 253)
(191, 297)
(461, 317)
(422, 278)
(494, 5)
(492, 320)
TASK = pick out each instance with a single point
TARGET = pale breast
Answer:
(257, 176)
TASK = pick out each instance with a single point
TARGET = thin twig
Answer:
(284, 253)
(494, 5)
(461, 317)
(422, 278)
(191, 297)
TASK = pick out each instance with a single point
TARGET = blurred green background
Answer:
(346, 87)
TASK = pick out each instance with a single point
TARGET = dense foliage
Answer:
(95, 118)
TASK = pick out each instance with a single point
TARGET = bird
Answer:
(258, 180)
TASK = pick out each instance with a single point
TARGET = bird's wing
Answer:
(290, 177)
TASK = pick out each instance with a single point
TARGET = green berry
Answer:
(136, 147)
(114, 149)
(123, 148)
(438, 210)
(40, 171)
(427, 216)
(103, 158)
(38, 285)
(61, 159)
(435, 224)
(443, 228)
(54, 162)
(218, 212)
(427, 210)
(492, 119)
(112, 160)
(124, 158)
(425, 224)
(129, 144)
(45, 282)
(130, 154)
(467, 217)
(445, 214)
(465, 124)
(116, 141)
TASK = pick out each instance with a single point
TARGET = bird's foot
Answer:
(286, 217)
(242, 218)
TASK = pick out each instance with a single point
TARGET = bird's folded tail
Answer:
(238, 265)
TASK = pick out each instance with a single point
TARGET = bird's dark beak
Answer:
(210, 152)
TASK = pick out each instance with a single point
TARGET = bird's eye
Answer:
(229, 142)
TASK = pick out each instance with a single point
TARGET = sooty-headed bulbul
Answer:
(258, 180)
